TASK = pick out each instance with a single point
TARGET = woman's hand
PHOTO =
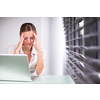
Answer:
(36, 45)
(20, 44)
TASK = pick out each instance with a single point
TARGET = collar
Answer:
(32, 53)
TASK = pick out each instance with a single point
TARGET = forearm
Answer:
(19, 46)
(16, 51)
(40, 64)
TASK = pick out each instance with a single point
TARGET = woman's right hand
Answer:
(20, 44)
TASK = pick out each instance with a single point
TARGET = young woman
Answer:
(28, 36)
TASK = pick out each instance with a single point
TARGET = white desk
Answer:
(46, 79)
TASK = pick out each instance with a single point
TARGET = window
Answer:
(82, 48)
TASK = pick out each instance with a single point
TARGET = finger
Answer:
(22, 36)
(35, 36)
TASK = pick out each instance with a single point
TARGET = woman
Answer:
(28, 36)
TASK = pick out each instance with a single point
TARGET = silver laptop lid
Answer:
(14, 67)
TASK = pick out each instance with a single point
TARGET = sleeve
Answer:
(11, 49)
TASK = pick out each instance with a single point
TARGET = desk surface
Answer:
(46, 79)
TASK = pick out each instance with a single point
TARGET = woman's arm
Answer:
(19, 46)
(40, 64)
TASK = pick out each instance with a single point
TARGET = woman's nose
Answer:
(28, 40)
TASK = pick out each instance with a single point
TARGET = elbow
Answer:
(38, 73)
(39, 70)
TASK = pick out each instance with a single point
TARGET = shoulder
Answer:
(34, 51)
(11, 49)
(12, 46)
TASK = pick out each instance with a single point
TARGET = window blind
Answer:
(82, 48)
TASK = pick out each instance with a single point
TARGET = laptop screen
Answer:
(14, 67)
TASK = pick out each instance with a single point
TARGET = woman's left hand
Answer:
(36, 45)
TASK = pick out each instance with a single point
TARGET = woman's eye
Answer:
(25, 38)
(31, 38)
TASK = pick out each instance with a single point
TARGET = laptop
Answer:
(15, 67)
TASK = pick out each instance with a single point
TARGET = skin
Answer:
(26, 42)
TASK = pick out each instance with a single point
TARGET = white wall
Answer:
(45, 41)
(10, 27)
(57, 45)
(50, 36)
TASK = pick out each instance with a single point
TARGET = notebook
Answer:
(15, 67)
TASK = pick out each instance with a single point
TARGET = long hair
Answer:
(27, 27)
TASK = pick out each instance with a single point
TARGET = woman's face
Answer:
(28, 39)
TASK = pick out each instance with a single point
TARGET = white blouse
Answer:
(33, 61)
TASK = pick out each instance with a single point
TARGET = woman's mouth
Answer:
(28, 44)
